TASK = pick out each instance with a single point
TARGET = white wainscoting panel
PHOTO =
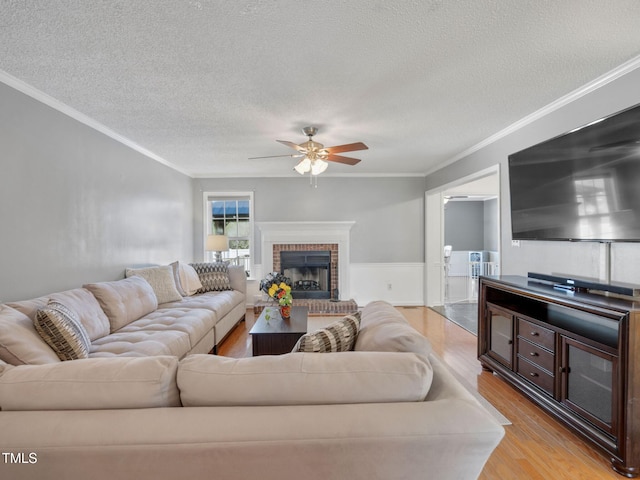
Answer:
(397, 283)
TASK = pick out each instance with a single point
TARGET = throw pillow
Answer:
(60, 327)
(339, 336)
(161, 281)
(187, 280)
(213, 276)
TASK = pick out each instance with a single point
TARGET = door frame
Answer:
(434, 233)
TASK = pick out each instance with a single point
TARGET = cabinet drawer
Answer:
(536, 334)
(535, 354)
(535, 375)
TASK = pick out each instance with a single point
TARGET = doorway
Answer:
(462, 242)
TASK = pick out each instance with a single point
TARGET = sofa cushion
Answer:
(92, 384)
(124, 301)
(390, 336)
(20, 344)
(141, 343)
(379, 311)
(80, 300)
(187, 280)
(195, 322)
(303, 379)
(213, 276)
(221, 303)
(31, 306)
(60, 327)
(161, 280)
(238, 278)
(339, 336)
(85, 305)
(4, 366)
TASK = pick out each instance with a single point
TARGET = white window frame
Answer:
(206, 219)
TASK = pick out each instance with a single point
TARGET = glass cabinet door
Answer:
(588, 383)
(500, 335)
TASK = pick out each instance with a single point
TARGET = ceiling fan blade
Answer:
(277, 156)
(349, 147)
(341, 159)
(292, 145)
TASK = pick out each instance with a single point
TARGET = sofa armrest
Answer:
(238, 278)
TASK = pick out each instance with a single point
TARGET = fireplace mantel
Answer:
(272, 233)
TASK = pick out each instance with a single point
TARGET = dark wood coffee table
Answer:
(277, 336)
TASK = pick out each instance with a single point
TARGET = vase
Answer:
(285, 311)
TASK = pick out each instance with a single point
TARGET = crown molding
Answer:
(42, 97)
(599, 82)
(65, 109)
(321, 176)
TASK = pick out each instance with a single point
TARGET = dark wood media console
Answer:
(576, 355)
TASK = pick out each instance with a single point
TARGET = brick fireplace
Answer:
(331, 288)
(311, 236)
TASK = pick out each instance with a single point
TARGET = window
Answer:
(595, 198)
(231, 214)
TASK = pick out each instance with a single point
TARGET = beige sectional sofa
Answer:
(125, 318)
(387, 410)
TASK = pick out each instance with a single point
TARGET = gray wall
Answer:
(471, 225)
(464, 225)
(77, 206)
(580, 259)
(388, 212)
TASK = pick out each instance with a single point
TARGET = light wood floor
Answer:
(534, 447)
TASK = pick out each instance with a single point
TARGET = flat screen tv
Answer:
(581, 186)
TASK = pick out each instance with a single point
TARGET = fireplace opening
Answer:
(309, 271)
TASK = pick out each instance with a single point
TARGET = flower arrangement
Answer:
(281, 293)
(278, 287)
(273, 278)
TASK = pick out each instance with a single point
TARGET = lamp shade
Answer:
(217, 243)
(304, 166)
(318, 167)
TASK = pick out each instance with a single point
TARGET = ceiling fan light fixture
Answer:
(318, 167)
(303, 166)
(316, 156)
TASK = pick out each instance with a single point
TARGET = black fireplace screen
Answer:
(310, 272)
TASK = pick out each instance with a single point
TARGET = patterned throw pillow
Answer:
(340, 336)
(213, 276)
(60, 327)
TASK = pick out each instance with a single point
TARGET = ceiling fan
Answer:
(314, 156)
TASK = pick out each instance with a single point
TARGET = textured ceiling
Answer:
(206, 84)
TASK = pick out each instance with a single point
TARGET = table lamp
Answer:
(218, 244)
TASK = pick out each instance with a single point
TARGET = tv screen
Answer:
(583, 185)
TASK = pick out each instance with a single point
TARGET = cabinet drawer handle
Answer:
(533, 354)
(534, 334)
(533, 374)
